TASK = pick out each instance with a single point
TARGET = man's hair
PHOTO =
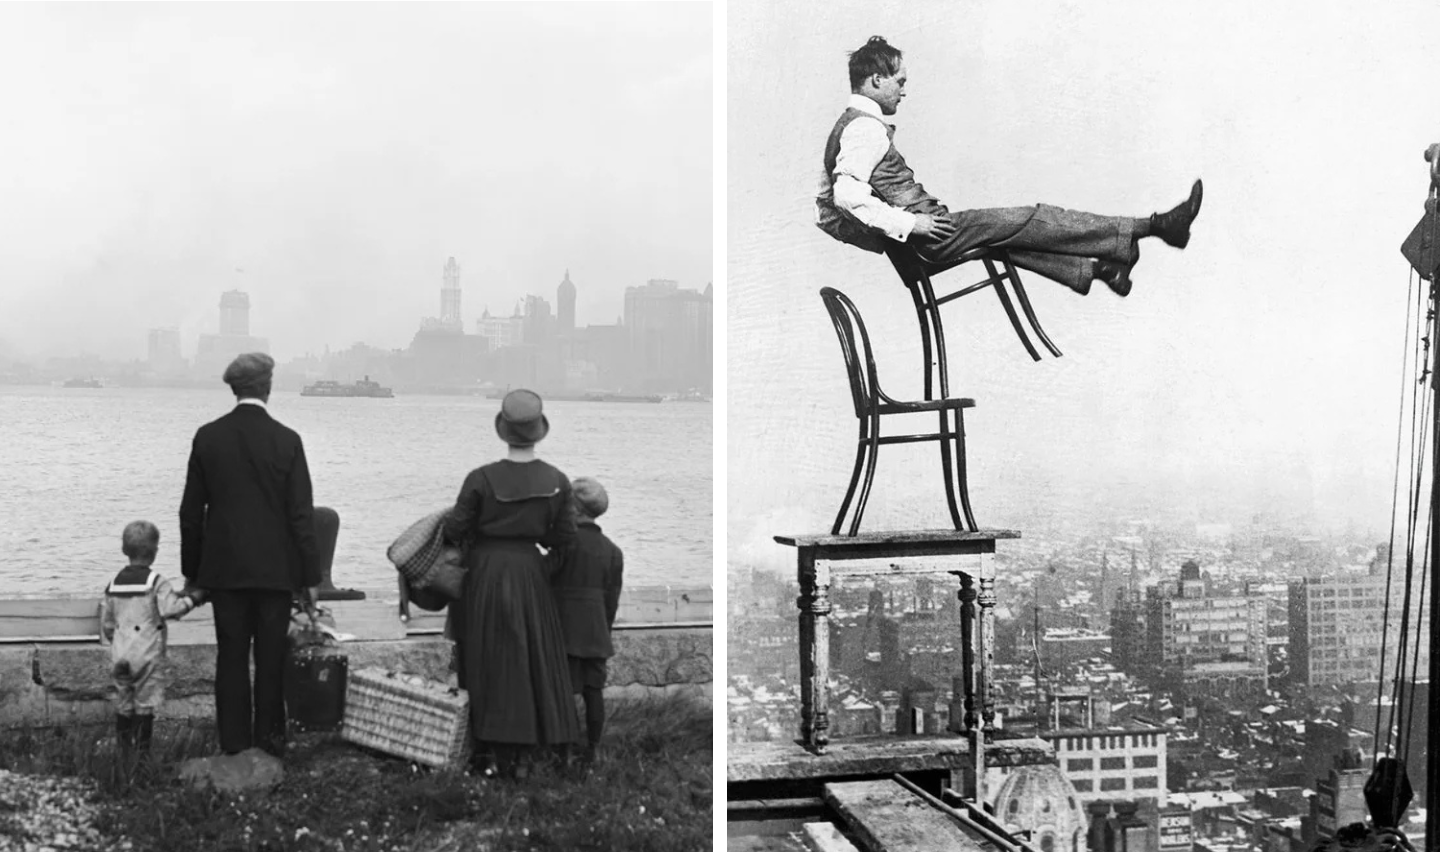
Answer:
(141, 540)
(249, 375)
(253, 389)
(876, 57)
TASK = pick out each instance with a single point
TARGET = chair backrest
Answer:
(855, 347)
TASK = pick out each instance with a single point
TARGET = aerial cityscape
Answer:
(658, 344)
(1208, 686)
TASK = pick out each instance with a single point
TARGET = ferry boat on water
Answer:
(364, 387)
(588, 396)
(84, 383)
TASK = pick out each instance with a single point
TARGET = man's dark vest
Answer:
(893, 182)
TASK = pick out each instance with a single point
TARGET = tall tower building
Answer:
(214, 351)
(565, 306)
(235, 313)
(450, 296)
(1338, 623)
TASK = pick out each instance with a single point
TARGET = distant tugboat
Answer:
(83, 383)
(364, 387)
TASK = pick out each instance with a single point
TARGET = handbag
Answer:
(447, 577)
(433, 571)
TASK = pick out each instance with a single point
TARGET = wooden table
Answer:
(968, 555)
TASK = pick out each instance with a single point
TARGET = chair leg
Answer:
(871, 456)
(941, 366)
(1029, 311)
(923, 315)
(960, 478)
(1010, 309)
(854, 480)
(947, 469)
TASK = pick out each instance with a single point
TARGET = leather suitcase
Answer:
(315, 683)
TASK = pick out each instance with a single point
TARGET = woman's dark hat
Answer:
(521, 420)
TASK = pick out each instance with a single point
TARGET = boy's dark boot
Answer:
(143, 730)
(124, 732)
(594, 720)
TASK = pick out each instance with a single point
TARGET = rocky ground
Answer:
(63, 788)
(45, 814)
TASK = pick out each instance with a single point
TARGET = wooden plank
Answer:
(47, 617)
(825, 837)
(647, 605)
(801, 803)
(891, 545)
(366, 620)
(875, 754)
(848, 756)
(782, 842)
(941, 536)
(886, 817)
(76, 618)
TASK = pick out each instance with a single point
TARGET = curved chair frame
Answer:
(915, 273)
(871, 403)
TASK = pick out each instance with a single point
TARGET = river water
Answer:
(77, 464)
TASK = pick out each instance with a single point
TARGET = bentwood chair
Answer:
(872, 403)
(1000, 273)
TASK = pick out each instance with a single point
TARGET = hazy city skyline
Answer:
(338, 155)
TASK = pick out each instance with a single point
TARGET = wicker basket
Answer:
(408, 716)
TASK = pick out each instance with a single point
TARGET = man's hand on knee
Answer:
(933, 227)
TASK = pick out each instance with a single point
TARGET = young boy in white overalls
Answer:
(132, 622)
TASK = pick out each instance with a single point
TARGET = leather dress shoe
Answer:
(1117, 275)
(1173, 226)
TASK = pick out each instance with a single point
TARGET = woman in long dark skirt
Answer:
(509, 644)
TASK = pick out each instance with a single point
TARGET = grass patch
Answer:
(650, 790)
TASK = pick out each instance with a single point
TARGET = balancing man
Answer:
(869, 196)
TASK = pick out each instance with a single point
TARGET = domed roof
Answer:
(1042, 800)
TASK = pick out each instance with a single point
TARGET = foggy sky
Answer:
(1259, 370)
(338, 154)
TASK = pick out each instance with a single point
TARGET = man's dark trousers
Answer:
(1047, 240)
(243, 617)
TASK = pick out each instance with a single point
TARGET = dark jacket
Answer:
(247, 516)
(587, 584)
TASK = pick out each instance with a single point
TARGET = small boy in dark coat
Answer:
(587, 594)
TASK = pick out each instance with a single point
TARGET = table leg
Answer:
(814, 605)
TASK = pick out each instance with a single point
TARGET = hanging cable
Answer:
(1409, 716)
(1419, 642)
(1405, 386)
(1418, 443)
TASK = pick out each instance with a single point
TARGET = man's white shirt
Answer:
(863, 144)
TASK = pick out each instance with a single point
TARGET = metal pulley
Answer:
(1420, 248)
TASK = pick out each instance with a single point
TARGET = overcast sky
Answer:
(1258, 370)
(338, 154)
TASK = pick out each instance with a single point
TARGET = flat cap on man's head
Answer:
(249, 370)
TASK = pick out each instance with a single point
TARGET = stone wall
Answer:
(56, 683)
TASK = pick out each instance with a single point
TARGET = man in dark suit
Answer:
(587, 594)
(247, 537)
